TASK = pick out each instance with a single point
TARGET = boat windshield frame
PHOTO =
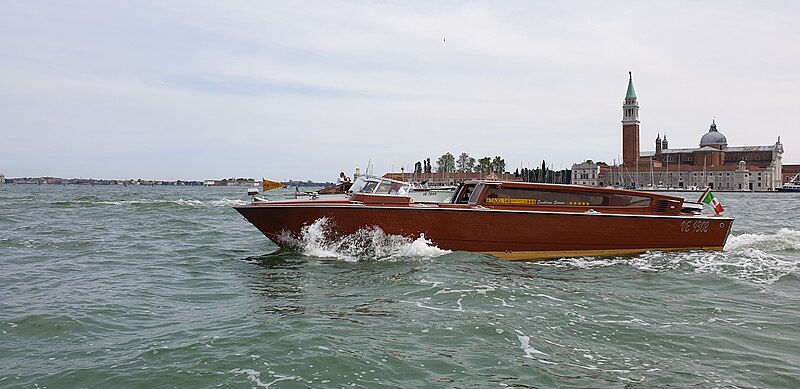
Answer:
(379, 185)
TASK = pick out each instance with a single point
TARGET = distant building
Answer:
(231, 182)
(713, 164)
(2, 178)
(789, 171)
(587, 173)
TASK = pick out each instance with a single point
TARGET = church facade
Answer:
(712, 164)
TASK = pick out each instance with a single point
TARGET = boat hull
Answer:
(509, 234)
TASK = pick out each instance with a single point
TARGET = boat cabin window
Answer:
(464, 193)
(619, 200)
(499, 195)
(384, 187)
(359, 184)
(399, 188)
(476, 193)
(369, 186)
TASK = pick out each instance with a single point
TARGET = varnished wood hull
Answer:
(509, 234)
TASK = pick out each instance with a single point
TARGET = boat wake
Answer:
(369, 244)
(758, 258)
(93, 202)
(223, 202)
(783, 240)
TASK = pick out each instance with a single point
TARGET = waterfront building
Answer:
(231, 182)
(712, 164)
(2, 178)
(587, 173)
(789, 171)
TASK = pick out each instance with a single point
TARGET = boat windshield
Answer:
(360, 184)
(365, 184)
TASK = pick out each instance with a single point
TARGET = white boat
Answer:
(792, 185)
(431, 194)
(381, 185)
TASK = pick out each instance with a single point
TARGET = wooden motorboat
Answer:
(511, 220)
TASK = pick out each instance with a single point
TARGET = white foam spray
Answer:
(370, 243)
(784, 240)
(758, 258)
(223, 202)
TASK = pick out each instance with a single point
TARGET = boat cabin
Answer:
(566, 198)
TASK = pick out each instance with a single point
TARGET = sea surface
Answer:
(169, 287)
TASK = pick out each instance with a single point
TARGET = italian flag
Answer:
(709, 198)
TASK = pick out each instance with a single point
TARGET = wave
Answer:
(368, 244)
(757, 258)
(254, 376)
(223, 202)
(784, 240)
(87, 202)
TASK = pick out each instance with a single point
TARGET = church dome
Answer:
(713, 137)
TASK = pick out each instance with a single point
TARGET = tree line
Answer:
(448, 163)
(544, 174)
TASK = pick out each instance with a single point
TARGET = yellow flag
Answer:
(269, 185)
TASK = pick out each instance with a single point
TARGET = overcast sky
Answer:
(303, 90)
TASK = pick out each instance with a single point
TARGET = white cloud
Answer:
(303, 89)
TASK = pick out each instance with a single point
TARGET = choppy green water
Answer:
(170, 287)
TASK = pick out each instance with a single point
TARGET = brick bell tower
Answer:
(630, 126)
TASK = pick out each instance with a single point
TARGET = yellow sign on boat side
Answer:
(500, 200)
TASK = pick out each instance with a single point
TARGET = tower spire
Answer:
(631, 94)
(658, 143)
(630, 126)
